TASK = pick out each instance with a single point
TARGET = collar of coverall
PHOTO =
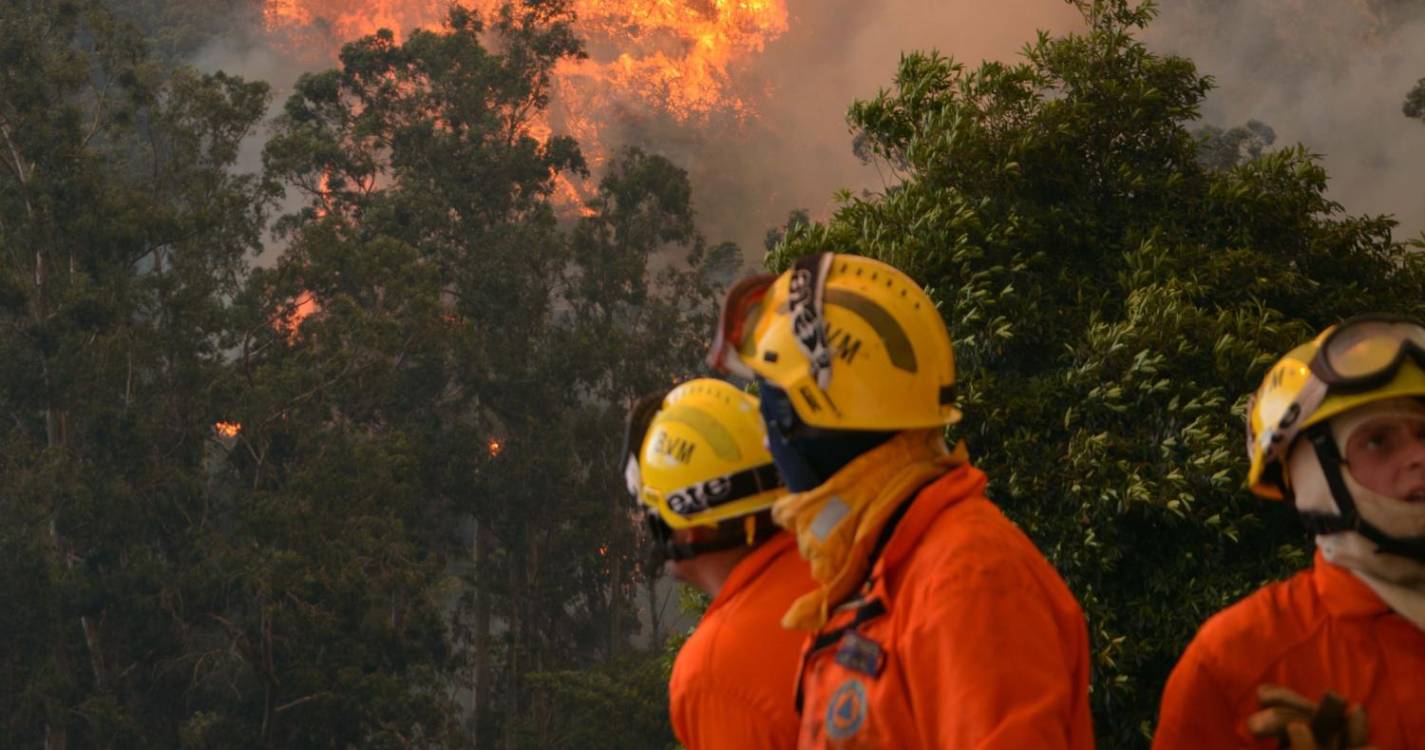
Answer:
(1342, 592)
(960, 483)
(753, 565)
(838, 522)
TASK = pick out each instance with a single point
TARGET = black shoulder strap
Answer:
(867, 610)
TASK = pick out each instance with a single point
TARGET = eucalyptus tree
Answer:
(477, 329)
(1113, 296)
(124, 234)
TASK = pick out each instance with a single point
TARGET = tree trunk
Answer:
(614, 554)
(56, 737)
(484, 547)
(655, 613)
(517, 644)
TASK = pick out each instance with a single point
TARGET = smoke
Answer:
(797, 154)
(1327, 73)
(244, 52)
(1330, 74)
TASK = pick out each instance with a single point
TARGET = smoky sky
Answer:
(1330, 74)
(798, 153)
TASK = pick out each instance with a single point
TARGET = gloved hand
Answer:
(1304, 725)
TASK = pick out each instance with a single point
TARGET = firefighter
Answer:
(935, 623)
(701, 476)
(1334, 656)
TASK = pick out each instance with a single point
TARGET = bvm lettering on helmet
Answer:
(676, 448)
(843, 343)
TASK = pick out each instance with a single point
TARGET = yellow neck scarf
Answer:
(837, 523)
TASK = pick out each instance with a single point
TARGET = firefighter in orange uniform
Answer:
(935, 623)
(699, 470)
(1337, 427)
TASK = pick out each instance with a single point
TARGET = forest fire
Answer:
(227, 429)
(676, 58)
(290, 321)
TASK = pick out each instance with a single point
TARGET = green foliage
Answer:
(463, 306)
(616, 705)
(797, 219)
(1113, 296)
(175, 30)
(123, 232)
(439, 354)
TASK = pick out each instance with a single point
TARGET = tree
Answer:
(1221, 149)
(479, 337)
(175, 30)
(1414, 106)
(1112, 300)
(124, 234)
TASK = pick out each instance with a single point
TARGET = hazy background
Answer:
(1330, 74)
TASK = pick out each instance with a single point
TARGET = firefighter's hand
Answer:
(1305, 725)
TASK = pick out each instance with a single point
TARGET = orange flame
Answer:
(227, 429)
(676, 57)
(291, 322)
(322, 22)
(495, 447)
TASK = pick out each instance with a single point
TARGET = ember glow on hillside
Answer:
(676, 56)
(227, 429)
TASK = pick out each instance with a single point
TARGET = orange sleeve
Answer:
(1195, 712)
(989, 667)
(724, 720)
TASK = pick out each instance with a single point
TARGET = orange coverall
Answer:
(1322, 629)
(963, 637)
(733, 681)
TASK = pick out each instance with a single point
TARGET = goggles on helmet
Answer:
(1365, 352)
(740, 311)
(1358, 355)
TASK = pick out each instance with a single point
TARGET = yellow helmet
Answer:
(1360, 361)
(701, 459)
(855, 343)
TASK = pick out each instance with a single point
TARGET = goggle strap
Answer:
(742, 484)
(805, 301)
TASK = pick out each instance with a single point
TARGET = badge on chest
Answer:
(860, 654)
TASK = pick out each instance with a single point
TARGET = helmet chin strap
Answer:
(729, 534)
(1328, 455)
